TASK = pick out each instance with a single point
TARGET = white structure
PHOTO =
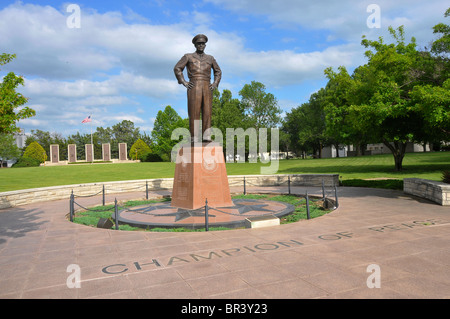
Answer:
(372, 149)
(330, 151)
(380, 148)
(20, 137)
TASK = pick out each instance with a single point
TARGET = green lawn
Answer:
(421, 165)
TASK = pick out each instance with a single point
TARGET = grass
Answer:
(91, 217)
(421, 165)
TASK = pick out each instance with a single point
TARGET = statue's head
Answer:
(199, 42)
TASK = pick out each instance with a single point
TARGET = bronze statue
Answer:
(199, 88)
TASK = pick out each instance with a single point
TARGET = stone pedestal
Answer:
(106, 152)
(89, 149)
(54, 153)
(123, 151)
(72, 153)
(200, 174)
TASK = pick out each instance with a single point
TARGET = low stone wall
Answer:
(438, 192)
(35, 195)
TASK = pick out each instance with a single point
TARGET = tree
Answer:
(166, 121)
(383, 105)
(8, 148)
(433, 105)
(261, 107)
(35, 151)
(138, 149)
(124, 132)
(306, 125)
(339, 95)
(11, 100)
(442, 45)
(229, 113)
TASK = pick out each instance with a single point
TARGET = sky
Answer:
(114, 60)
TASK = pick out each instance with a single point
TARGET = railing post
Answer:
(244, 186)
(307, 206)
(103, 195)
(336, 202)
(323, 189)
(289, 184)
(206, 216)
(116, 214)
(71, 206)
(146, 189)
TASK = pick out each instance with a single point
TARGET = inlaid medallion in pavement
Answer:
(164, 215)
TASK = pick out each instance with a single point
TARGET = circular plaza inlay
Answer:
(166, 216)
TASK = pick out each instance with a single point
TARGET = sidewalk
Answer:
(327, 257)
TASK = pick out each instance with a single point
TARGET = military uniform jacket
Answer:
(198, 68)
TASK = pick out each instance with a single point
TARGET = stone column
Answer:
(122, 151)
(89, 149)
(54, 153)
(106, 152)
(72, 153)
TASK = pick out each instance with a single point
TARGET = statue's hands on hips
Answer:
(188, 85)
(213, 86)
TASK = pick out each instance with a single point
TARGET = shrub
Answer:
(35, 151)
(150, 157)
(446, 177)
(26, 162)
(140, 148)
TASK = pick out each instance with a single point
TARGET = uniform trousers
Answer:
(199, 102)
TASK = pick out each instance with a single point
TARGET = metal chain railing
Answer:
(325, 195)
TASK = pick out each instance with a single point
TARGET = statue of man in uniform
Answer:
(199, 88)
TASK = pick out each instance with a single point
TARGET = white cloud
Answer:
(123, 61)
(345, 19)
(120, 118)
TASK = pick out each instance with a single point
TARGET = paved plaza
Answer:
(376, 238)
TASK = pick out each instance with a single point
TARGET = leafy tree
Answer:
(261, 107)
(229, 113)
(138, 149)
(165, 123)
(339, 96)
(442, 45)
(35, 151)
(432, 103)
(11, 100)
(8, 148)
(306, 125)
(383, 107)
(123, 132)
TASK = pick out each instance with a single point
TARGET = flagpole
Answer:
(91, 132)
(92, 144)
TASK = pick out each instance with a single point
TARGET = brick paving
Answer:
(327, 257)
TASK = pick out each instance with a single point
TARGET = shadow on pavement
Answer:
(17, 222)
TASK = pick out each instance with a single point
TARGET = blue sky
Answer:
(119, 63)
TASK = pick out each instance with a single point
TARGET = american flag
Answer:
(87, 119)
